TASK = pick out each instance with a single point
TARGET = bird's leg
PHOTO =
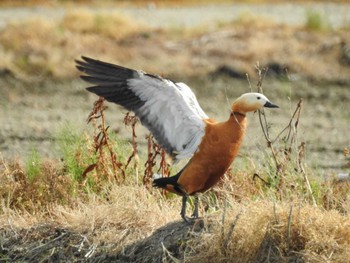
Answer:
(183, 209)
(195, 211)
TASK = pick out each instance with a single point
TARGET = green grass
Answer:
(73, 149)
(33, 166)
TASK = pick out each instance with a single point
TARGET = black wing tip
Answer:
(81, 64)
(86, 78)
(89, 60)
(83, 60)
(92, 89)
(80, 68)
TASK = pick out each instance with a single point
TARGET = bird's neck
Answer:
(238, 107)
(237, 113)
(238, 121)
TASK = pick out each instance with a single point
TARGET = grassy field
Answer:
(68, 195)
(70, 210)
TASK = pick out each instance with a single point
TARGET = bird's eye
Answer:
(258, 98)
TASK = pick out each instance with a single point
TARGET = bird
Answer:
(171, 112)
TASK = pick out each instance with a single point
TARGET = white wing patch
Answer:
(171, 112)
(191, 99)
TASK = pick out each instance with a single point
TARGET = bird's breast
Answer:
(215, 154)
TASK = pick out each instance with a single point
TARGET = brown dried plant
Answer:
(102, 144)
(49, 188)
(153, 151)
(132, 120)
(106, 157)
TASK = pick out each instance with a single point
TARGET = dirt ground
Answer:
(33, 115)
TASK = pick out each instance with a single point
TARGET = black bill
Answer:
(270, 105)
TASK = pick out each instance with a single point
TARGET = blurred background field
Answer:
(212, 46)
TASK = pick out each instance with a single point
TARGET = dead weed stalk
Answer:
(102, 144)
(49, 188)
(283, 155)
(131, 120)
(154, 150)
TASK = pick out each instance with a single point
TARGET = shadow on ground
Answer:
(169, 243)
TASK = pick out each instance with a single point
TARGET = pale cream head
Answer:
(251, 102)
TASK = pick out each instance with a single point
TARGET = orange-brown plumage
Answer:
(216, 152)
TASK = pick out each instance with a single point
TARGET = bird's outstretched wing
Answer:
(169, 110)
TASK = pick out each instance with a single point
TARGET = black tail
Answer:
(163, 182)
(172, 180)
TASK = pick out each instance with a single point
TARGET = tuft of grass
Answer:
(28, 46)
(279, 232)
(73, 148)
(248, 19)
(335, 195)
(315, 21)
(113, 25)
(33, 49)
(35, 188)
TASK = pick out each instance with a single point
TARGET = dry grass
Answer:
(107, 25)
(131, 214)
(50, 187)
(245, 218)
(283, 232)
(40, 48)
(263, 231)
(129, 208)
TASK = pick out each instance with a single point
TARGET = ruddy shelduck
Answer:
(172, 114)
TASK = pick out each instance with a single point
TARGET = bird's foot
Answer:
(195, 215)
(190, 220)
(187, 219)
